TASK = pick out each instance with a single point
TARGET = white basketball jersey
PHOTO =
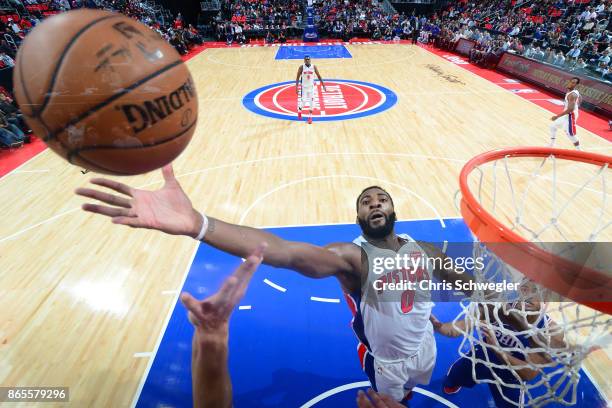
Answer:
(308, 76)
(393, 323)
(575, 111)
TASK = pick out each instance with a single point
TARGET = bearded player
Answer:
(397, 344)
(306, 76)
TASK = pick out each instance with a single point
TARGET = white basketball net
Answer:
(561, 333)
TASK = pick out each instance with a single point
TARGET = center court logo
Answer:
(343, 100)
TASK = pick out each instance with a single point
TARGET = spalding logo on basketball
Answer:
(343, 100)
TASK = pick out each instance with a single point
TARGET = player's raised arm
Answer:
(297, 79)
(448, 329)
(307, 259)
(320, 79)
(169, 210)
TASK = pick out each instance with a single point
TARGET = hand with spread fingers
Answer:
(212, 385)
(167, 209)
(376, 400)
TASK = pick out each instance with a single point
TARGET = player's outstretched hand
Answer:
(376, 400)
(437, 324)
(211, 315)
(167, 209)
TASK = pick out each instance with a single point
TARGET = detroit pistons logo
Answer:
(342, 100)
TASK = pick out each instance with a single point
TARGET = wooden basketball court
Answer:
(83, 301)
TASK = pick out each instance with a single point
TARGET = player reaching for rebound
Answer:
(567, 119)
(306, 75)
(397, 346)
(513, 356)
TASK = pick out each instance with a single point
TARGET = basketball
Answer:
(105, 92)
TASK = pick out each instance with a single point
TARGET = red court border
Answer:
(10, 160)
(541, 97)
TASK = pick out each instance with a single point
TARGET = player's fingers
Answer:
(389, 402)
(245, 271)
(250, 265)
(363, 401)
(225, 295)
(129, 221)
(192, 305)
(104, 197)
(113, 185)
(168, 173)
(378, 403)
(105, 210)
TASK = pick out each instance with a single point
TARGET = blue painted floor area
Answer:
(315, 52)
(288, 349)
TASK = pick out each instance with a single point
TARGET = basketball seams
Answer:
(38, 112)
(96, 166)
(76, 154)
(79, 150)
(113, 98)
(21, 82)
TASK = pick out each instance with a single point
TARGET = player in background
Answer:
(567, 119)
(507, 349)
(306, 76)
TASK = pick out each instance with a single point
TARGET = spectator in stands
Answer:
(337, 29)
(549, 56)
(604, 58)
(377, 35)
(406, 31)
(507, 44)
(388, 33)
(10, 135)
(606, 74)
(177, 43)
(237, 30)
(14, 26)
(12, 114)
(580, 65)
(559, 59)
(573, 54)
(347, 34)
(6, 61)
(416, 33)
(241, 39)
(538, 54)
(517, 46)
(229, 33)
(269, 38)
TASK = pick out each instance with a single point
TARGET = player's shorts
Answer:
(567, 123)
(398, 377)
(307, 97)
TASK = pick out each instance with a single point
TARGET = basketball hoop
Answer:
(565, 300)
